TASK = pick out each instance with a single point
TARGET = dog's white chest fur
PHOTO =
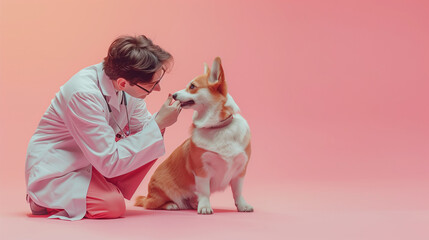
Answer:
(225, 158)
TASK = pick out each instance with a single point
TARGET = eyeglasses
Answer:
(156, 83)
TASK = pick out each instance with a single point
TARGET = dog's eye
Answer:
(192, 86)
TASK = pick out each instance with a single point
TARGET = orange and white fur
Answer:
(215, 156)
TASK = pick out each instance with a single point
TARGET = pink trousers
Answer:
(104, 199)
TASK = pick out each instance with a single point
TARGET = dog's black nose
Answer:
(174, 96)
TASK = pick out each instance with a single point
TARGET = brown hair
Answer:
(134, 58)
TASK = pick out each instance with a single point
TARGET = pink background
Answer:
(335, 93)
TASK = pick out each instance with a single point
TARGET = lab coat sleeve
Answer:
(85, 118)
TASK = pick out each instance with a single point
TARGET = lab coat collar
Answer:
(106, 86)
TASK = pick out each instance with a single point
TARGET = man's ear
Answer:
(121, 83)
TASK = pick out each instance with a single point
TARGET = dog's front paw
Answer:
(205, 210)
(244, 208)
(204, 206)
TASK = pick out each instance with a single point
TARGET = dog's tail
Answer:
(140, 201)
(150, 202)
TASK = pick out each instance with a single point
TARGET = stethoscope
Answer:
(124, 101)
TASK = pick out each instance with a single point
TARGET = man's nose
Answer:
(157, 87)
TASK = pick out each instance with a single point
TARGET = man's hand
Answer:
(168, 113)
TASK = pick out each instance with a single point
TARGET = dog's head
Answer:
(208, 93)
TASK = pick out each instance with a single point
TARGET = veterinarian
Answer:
(97, 140)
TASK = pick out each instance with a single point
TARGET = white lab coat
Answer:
(78, 132)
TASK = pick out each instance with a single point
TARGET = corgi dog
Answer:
(215, 156)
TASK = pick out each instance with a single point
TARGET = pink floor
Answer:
(346, 211)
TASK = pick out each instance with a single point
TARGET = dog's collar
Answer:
(222, 123)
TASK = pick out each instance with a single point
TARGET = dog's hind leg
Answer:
(170, 206)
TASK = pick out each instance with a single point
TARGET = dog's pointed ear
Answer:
(216, 71)
(217, 76)
(206, 69)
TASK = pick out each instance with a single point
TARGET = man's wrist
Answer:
(158, 122)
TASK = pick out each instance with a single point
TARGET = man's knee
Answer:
(111, 206)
